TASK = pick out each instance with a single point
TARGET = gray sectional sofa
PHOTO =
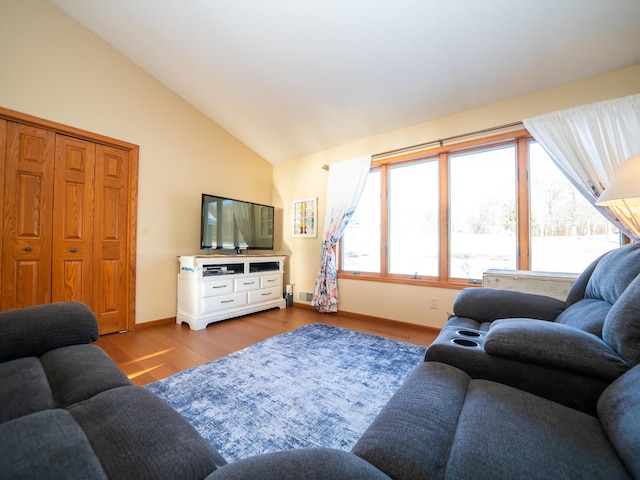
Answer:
(442, 424)
(68, 412)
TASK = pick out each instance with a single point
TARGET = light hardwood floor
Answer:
(150, 354)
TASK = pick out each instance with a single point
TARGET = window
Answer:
(444, 216)
(413, 219)
(482, 203)
(566, 231)
(361, 248)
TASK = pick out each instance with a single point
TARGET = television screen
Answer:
(229, 224)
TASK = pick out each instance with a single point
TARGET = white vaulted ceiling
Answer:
(293, 77)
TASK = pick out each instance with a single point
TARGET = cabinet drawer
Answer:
(268, 281)
(223, 302)
(216, 287)
(247, 284)
(265, 295)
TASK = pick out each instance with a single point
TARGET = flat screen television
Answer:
(229, 224)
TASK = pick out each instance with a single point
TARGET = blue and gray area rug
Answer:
(317, 386)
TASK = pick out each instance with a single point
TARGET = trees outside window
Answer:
(567, 232)
(445, 216)
(413, 219)
(482, 206)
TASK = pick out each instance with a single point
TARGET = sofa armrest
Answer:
(307, 463)
(32, 331)
(554, 345)
(487, 305)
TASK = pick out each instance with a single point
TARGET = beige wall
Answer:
(53, 68)
(304, 177)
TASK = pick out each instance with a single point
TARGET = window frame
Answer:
(519, 138)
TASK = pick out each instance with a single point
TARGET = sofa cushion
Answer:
(618, 409)
(613, 273)
(135, 434)
(24, 388)
(47, 444)
(32, 331)
(505, 433)
(577, 290)
(442, 424)
(622, 325)
(78, 372)
(587, 314)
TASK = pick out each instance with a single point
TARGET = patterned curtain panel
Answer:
(590, 143)
(346, 182)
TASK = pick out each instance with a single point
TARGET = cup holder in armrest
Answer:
(468, 333)
(465, 342)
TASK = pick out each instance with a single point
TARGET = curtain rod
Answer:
(440, 141)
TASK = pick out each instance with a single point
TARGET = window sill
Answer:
(411, 280)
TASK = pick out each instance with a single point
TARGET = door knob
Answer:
(27, 249)
(73, 250)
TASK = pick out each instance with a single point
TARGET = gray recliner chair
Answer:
(568, 351)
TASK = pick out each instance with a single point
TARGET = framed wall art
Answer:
(305, 217)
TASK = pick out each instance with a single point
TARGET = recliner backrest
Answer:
(621, 329)
(613, 273)
(577, 290)
(601, 285)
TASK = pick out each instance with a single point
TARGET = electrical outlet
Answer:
(434, 302)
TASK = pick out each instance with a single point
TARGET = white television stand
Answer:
(217, 287)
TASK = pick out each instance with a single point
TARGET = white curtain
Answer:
(589, 144)
(344, 189)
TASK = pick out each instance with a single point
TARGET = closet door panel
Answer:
(111, 238)
(27, 222)
(3, 149)
(73, 221)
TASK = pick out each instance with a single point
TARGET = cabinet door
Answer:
(27, 223)
(73, 221)
(111, 278)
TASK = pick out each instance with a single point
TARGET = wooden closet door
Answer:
(27, 223)
(3, 151)
(111, 276)
(73, 221)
